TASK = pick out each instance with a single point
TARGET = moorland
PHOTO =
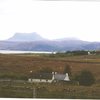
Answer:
(18, 66)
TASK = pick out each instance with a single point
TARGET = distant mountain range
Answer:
(35, 42)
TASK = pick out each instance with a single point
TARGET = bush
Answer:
(85, 78)
(67, 69)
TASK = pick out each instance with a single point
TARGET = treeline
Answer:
(78, 52)
(69, 53)
(84, 77)
(74, 53)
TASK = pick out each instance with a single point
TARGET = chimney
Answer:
(66, 74)
(52, 73)
(67, 77)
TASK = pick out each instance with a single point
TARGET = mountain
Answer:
(26, 37)
(45, 45)
(92, 46)
(70, 44)
(34, 42)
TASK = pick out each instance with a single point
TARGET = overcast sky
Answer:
(50, 19)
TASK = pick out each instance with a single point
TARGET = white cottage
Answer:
(49, 77)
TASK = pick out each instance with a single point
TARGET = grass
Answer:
(49, 91)
(19, 67)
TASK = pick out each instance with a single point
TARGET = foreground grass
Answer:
(26, 90)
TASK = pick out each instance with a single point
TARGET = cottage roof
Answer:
(42, 76)
(61, 77)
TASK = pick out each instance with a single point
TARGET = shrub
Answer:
(85, 78)
(67, 69)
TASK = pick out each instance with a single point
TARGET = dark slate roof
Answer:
(59, 77)
(42, 76)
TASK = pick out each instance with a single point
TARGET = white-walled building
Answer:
(49, 77)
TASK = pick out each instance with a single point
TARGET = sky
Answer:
(51, 19)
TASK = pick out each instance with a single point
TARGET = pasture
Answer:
(18, 67)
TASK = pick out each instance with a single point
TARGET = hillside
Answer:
(45, 45)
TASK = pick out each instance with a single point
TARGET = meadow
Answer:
(18, 67)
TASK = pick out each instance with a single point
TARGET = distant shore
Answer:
(24, 52)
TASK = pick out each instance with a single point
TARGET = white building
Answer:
(49, 77)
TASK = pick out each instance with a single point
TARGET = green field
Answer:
(18, 67)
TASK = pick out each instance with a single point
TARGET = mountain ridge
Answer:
(26, 37)
(35, 42)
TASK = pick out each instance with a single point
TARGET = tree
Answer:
(85, 78)
(67, 69)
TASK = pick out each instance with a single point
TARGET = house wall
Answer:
(67, 77)
(39, 80)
